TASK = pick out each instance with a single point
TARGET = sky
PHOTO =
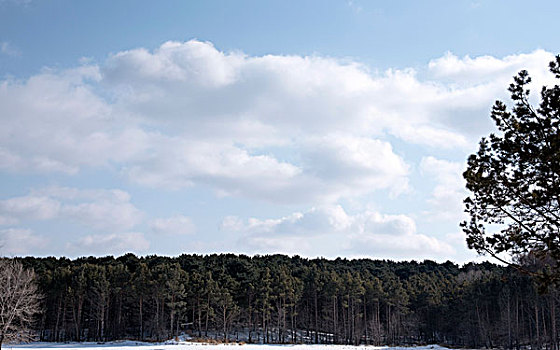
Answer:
(312, 128)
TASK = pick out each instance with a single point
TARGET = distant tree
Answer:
(98, 298)
(515, 181)
(176, 295)
(264, 291)
(141, 284)
(19, 301)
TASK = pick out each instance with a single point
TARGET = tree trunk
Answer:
(334, 321)
(59, 310)
(249, 314)
(316, 318)
(365, 321)
(553, 335)
(207, 315)
(199, 317)
(172, 315)
(141, 318)
(537, 325)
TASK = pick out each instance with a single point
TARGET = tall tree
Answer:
(264, 290)
(515, 180)
(120, 282)
(98, 298)
(176, 296)
(141, 282)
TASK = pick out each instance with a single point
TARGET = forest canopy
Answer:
(281, 299)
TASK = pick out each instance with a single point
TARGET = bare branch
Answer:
(19, 301)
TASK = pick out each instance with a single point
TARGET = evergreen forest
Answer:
(281, 299)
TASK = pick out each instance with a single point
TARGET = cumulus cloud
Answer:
(29, 208)
(101, 209)
(54, 122)
(285, 129)
(353, 164)
(177, 163)
(331, 231)
(174, 225)
(315, 221)
(291, 94)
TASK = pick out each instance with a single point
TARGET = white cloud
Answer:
(485, 69)
(176, 163)
(447, 196)
(197, 62)
(18, 242)
(54, 122)
(330, 231)
(395, 236)
(95, 210)
(174, 225)
(101, 209)
(111, 214)
(353, 165)
(115, 244)
(478, 82)
(294, 130)
(284, 129)
(364, 164)
(29, 208)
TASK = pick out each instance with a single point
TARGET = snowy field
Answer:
(129, 345)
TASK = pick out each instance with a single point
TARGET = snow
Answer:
(129, 345)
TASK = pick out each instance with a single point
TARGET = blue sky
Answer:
(318, 128)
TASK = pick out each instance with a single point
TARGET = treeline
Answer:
(280, 299)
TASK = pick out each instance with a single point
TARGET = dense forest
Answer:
(281, 299)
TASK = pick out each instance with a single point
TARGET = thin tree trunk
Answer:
(199, 317)
(207, 315)
(537, 327)
(316, 318)
(553, 336)
(141, 318)
(365, 321)
(56, 330)
(334, 321)
(172, 314)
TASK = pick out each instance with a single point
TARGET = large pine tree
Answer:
(515, 181)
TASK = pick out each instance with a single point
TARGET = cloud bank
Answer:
(295, 131)
(187, 114)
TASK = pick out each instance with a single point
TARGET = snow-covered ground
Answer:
(129, 345)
